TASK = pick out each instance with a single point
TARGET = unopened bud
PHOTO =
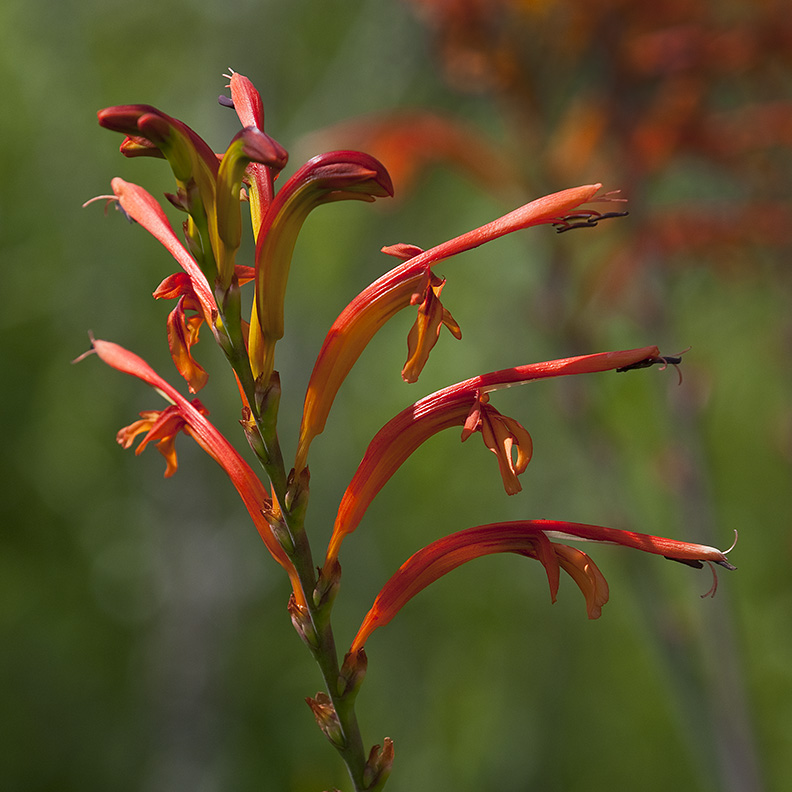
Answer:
(267, 396)
(379, 765)
(327, 718)
(252, 433)
(297, 490)
(281, 532)
(301, 620)
(327, 585)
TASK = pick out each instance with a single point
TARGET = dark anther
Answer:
(225, 101)
(585, 219)
(689, 561)
(124, 212)
(662, 360)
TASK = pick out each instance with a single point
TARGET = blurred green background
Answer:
(145, 643)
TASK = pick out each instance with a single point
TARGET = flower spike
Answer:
(402, 286)
(464, 404)
(531, 538)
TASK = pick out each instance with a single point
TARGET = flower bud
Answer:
(379, 765)
(301, 620)
(327, 586)
(325, 714)
(296, 500)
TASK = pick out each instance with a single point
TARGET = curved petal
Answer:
(192, 161)
(530, 538)
(189, 155)
(446, 554)
(672, 549)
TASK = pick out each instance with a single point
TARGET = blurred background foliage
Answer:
(145, 643)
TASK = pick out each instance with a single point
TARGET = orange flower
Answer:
(464, 404)
(190, 417)
(413, 283)
(190, 287)
(530, 538)
(143, 208)
(161, 426)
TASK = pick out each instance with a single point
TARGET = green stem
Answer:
(269, 454)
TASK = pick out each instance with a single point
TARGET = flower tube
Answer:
(530, 538)
(464, 404)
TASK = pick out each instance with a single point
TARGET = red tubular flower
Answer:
(186, 416)
(144, 209)
(193, 162)
(249, 145)
(190, 287)
(464, 404)
(411, 283)
(250, 110)
(334, 176)
(530, 538)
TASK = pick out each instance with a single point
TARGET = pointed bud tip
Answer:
(260, 147)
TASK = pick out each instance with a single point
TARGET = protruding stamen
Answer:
(586, 219)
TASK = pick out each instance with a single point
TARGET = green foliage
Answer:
(144, 638)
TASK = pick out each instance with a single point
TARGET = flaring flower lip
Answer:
(530, 538)
(375, 305)
(452, 406)
(155, 127)
(162, 427)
